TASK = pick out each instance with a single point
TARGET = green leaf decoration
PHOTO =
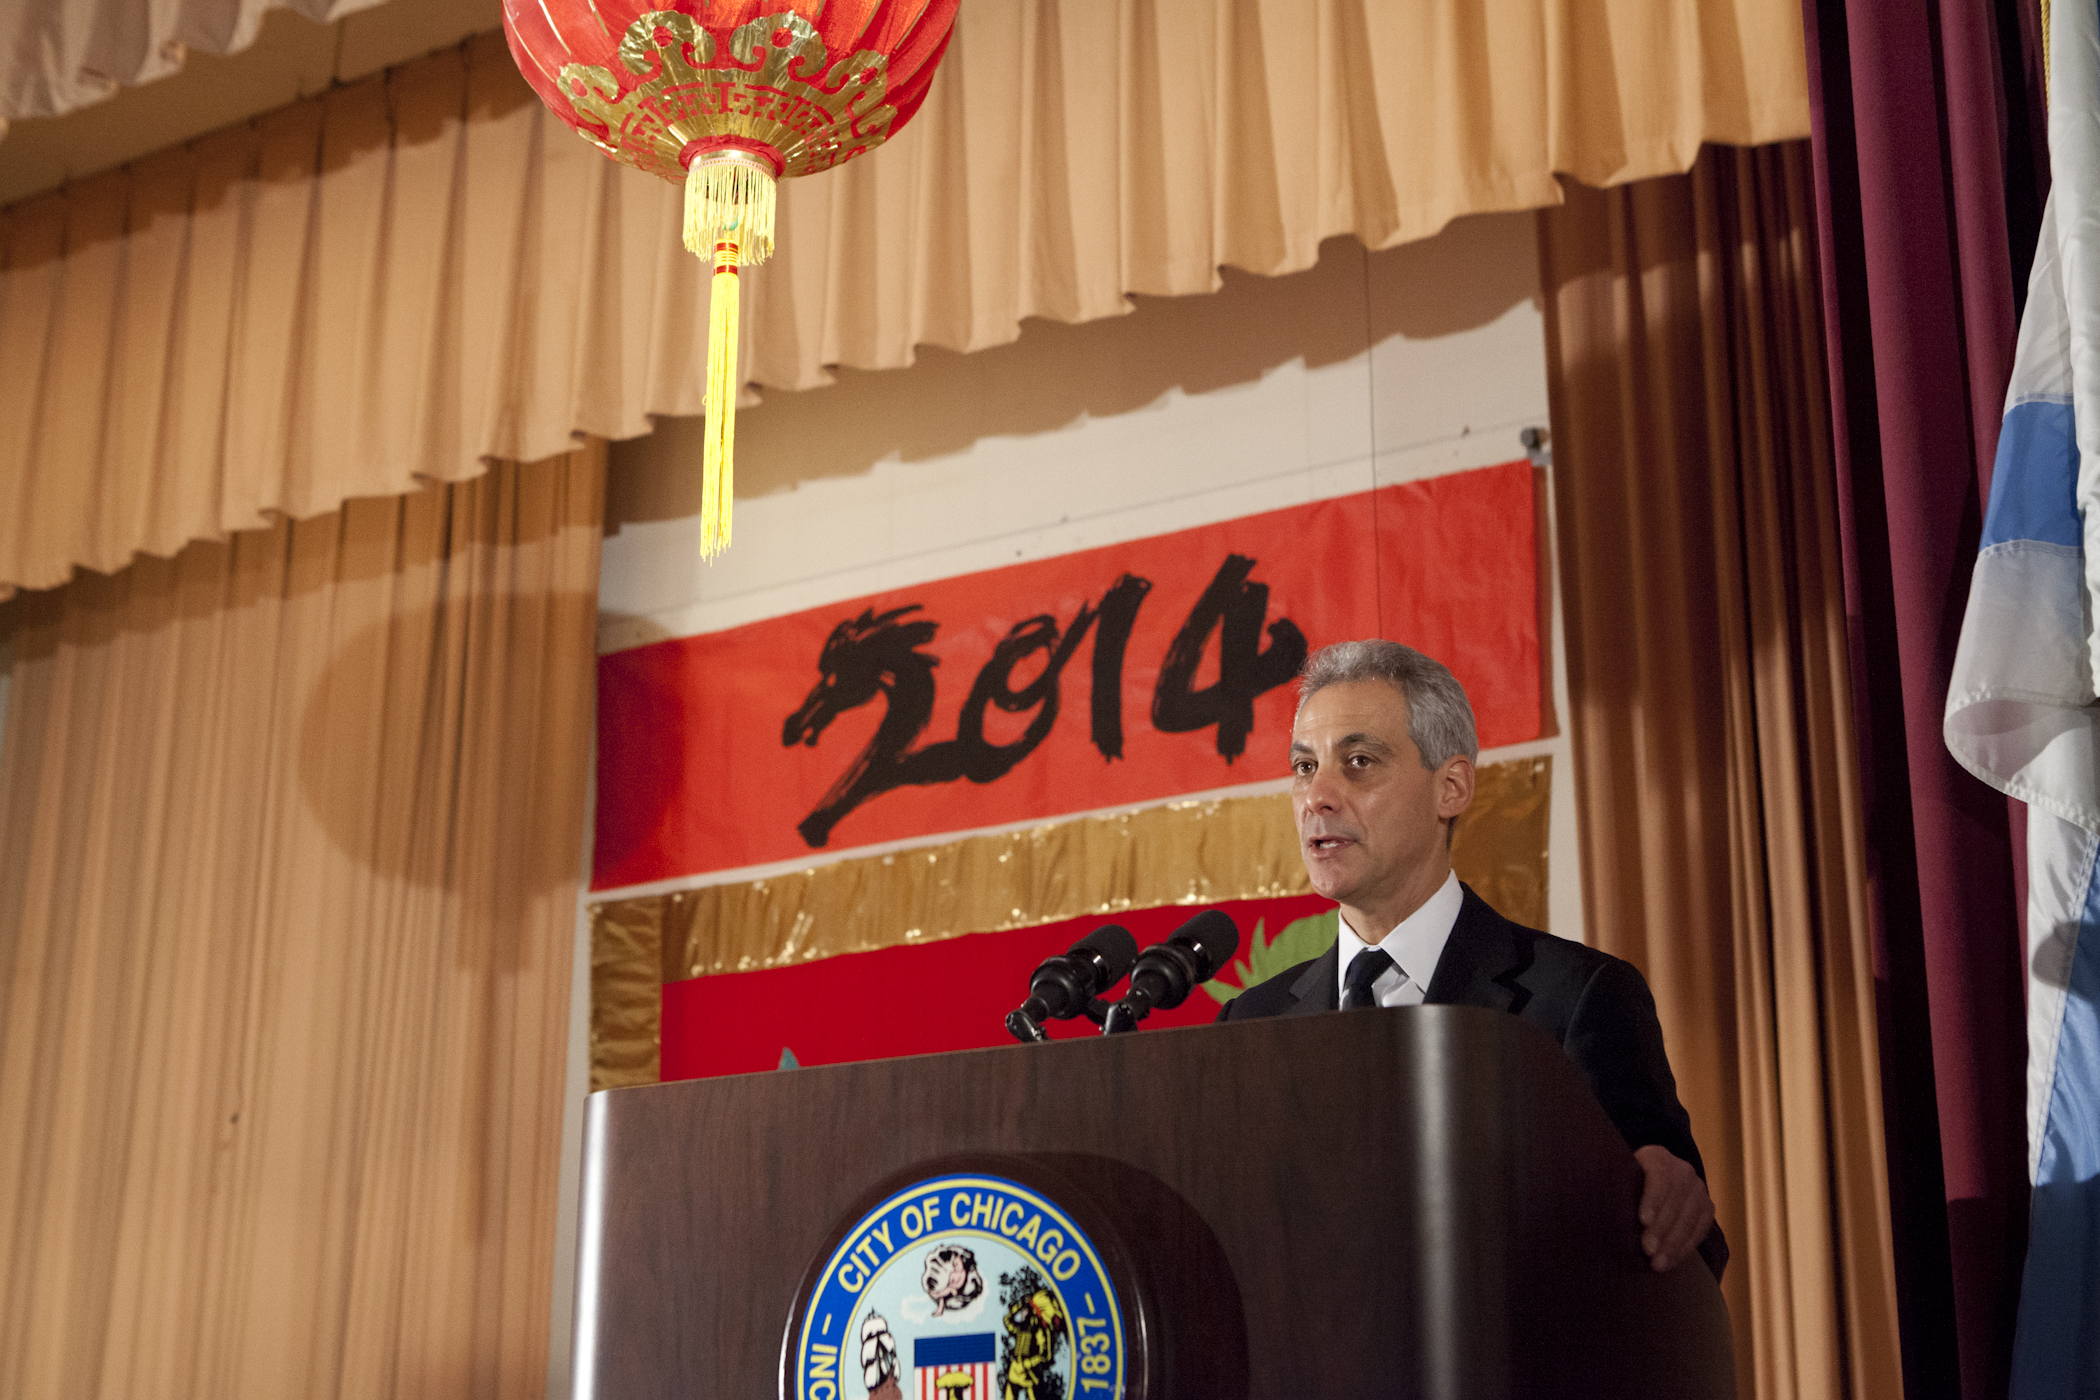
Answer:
(1297, 942)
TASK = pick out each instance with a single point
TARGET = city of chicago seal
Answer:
(961, 1286)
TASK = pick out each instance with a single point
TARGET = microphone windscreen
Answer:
(1213, 936)
(1116, 948)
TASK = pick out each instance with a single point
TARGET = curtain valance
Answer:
(406, 277)
(63, 54)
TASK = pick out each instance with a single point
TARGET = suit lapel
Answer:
(1318, 988)
(1480, 963)
(1479, 960)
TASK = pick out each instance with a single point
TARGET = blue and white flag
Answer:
(2021, 716)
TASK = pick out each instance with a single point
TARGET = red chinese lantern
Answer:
(730, 96)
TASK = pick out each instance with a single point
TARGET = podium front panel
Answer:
(1421, 1201)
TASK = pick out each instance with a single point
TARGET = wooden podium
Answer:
(1423, 1201)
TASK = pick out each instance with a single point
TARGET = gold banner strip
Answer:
(1179, 853)
(1502, 843)
(626, 991)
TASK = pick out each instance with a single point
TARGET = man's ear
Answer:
(1454, 787)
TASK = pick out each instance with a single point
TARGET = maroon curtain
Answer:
(1929, 177)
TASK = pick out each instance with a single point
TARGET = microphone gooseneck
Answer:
(1064, 986)
(1167, 972)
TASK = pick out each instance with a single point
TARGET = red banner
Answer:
(1108, 677)
(923, 998)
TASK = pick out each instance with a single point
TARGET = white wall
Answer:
(1369, 369)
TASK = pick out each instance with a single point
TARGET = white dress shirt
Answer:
(1414, 946)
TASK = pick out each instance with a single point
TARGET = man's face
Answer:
(1370, 816)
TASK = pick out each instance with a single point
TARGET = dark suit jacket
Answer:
(1596, 1007)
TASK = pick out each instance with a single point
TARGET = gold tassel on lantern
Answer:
(729, 221)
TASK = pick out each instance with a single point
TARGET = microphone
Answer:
(1167, 972)
(1064, 986)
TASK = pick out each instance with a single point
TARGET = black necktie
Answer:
(1368, 966)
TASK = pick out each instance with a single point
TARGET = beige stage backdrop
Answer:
(398, 280)
(1716, 782)
(296, 812)
(291, 829)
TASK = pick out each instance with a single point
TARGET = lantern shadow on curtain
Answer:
(420, 666)
(1717, 776)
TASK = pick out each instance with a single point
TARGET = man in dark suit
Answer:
(1382, 756)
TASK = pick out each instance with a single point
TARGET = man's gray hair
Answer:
(1439, 717)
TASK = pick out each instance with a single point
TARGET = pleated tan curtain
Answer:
(290, 833)
(407, 276)
(1717, 785)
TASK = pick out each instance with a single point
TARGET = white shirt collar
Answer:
(1415, 945)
